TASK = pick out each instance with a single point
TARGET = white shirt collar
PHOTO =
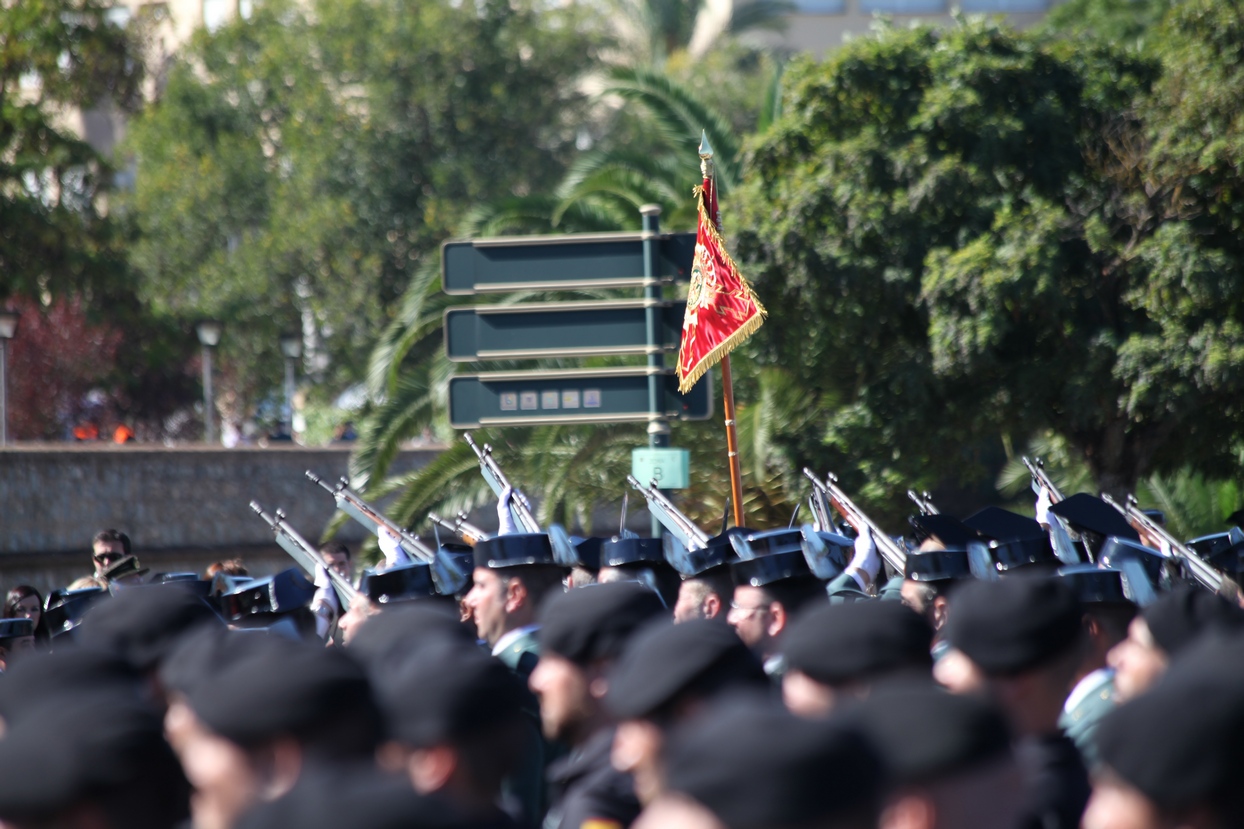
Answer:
(510, 637)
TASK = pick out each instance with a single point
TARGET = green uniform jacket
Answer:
(521, 655)
(527, 784)
(1080, 721)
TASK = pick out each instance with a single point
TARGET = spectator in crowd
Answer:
(229, 567)
(107, 548)
(338, 558)
(25, 602)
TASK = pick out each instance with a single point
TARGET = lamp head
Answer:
(209, 332)
(291, 345)
(8, 322)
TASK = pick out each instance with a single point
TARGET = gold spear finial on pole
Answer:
(706, 155)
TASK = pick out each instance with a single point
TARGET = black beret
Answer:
(1009, 626)
(666, 660)
(85, 746)
(1178, 617)
(514, 550)
(270, 686)
(755, 765)
(357, 797)
(142, 624)
(842, 643)
(398, 631)
(202, 652)
(1088, 512)
(926, 733)
(595, 621)
(1182, 742)
(41, 676)
(448, 690)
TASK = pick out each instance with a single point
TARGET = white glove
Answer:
(1043, 506)
(391, 546)
(324, 603)
(1165, 547)
(866, 563)
(505, 519)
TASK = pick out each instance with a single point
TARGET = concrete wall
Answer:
(182, 507)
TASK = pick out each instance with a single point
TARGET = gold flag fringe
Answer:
(749, 327)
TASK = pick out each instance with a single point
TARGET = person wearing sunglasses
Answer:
(107, 548)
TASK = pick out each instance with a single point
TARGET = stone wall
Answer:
(183, 507)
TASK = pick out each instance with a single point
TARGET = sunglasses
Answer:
(104, 558)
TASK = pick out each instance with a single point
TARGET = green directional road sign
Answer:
(558, 329)
(567, 262)
(535, 398)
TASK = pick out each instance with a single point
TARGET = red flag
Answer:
(722, 310)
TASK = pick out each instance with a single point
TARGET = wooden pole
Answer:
(732, 442)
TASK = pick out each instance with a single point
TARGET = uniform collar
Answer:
(510, 637)
(1086, 686)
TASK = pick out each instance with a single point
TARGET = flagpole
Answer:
(732, 443)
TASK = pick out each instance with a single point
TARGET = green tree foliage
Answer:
(976, 232)
(299, 166)
(55, 239)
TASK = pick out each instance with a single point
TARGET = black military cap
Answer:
(514, 550)
(588, 551)
(1088, 512)
(284, 592)
(838, 644)
(96, 747)
(717, 553)
(666, 661)
(595, 621)
(1095, 585)
(267, 686)
(143, 624)
(358, 797)
(66, 608)
(620, 551)
(757, 766)
(1010, 626)
(404, 582)
(32, 681)
(927, 734)
(1178, 617)
(949, 530)
(950, 564)
(1003, 525)
(446, 691)
(396, 633)
(16, 628)
(1181, 743)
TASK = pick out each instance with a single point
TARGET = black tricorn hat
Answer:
(1095, 585)
(1088, 512)
(946, 528)
(1003, 525)
(718, 552)
(758, 572)
(588, 551)
(618, 551)
(514, 550)
(406, 581)
(938, 565)
(122, 567)
(1020, 552)
(65, 608)
(284, 592)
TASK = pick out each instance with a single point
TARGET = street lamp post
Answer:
(209, 338)
(8, 329)
(291, 347)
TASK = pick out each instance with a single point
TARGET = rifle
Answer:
(891, 552)
(1040, 479)
(461, 527)
(520, 507)
(679, 525)
(306, 555)
(923, 502)
(353, 505)
(1201, 570)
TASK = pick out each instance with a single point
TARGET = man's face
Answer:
(225, 784)
(487, 601)
(804, 696)
(339, 563)
(1137, 661)
(105, 553)
(913, 594)
(361, 609)
(958, 673)
(1116, 805)
(562, 688)
(751, 617)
